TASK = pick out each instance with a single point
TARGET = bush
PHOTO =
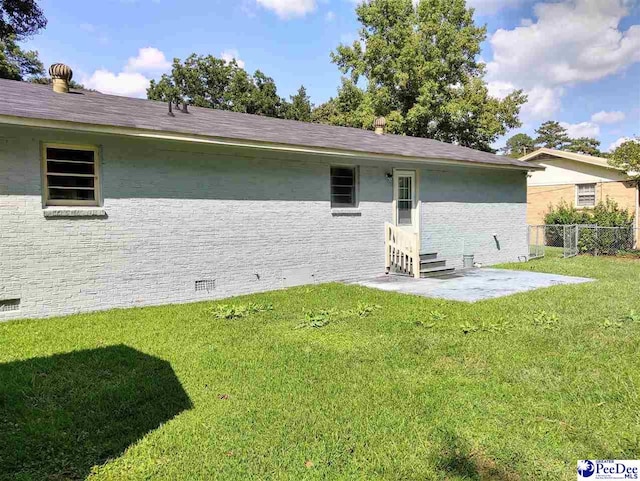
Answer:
(564, 214)
(604, 214)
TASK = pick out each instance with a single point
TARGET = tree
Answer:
(15, 63)
(421, 71)
(627, 157)
(584, 145)
(519, 145)
(207, 81)
(300, 107)
(20, 19)
(552, 135)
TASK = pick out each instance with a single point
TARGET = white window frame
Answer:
(595, 194)
(96, 176)
(356, 186)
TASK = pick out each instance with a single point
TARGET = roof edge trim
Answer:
(230, 142)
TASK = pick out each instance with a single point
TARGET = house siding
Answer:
(250, 221)
(463, 208)
(541, 197)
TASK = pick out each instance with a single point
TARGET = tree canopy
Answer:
(20, 19)
(300, 107)
(627, 157)
(552, 135)
(17, 64)
(519, 145)
(417, 66)
(584, 145)
(207, 81)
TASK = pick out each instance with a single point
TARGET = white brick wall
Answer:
(463, 208)
(174, 217)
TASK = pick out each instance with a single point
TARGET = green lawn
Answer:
(514, 388)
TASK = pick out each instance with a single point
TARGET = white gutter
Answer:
(201, 139)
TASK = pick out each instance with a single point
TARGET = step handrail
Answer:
(402, 250)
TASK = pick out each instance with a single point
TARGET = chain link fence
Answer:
(573, 239)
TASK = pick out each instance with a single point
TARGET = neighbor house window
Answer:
(344, 186)
(586, 195)
(70, 175)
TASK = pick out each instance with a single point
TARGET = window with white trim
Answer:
(70, 175)
(344, 181)
(586, 195)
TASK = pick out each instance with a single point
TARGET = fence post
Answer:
(577, 238)
(595, 249)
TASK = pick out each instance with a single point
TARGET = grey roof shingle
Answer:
(22, 99)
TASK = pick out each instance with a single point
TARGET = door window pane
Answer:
(405, 200)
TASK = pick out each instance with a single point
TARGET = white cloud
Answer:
(229, 55)
(330, 16)
(581, 129)
(149, 59)
(541, 103)
(603, 117)
(618, 143)
(128, 84)
(571, 41)
(289, 8)
(88, 27)
(132, 81)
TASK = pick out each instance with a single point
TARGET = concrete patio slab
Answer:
(472, 285)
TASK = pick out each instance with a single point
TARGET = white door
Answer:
(404, 197)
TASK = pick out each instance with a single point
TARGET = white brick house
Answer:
(110, 202)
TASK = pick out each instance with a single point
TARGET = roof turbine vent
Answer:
(61, 75)
(379, 125)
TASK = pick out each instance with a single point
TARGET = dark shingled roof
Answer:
(22, 99)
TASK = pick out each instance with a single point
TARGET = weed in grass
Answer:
(546, 320)
(437, 316)
(633, 316)
(468, 328)
(237, 311)
(364, 310)
(609, 324)
(317, 319)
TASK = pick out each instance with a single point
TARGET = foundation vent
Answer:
(205, 285)
(7, 305)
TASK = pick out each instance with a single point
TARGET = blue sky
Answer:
(579, 60)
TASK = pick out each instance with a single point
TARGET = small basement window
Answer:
(344, 186)
(70, 175)
(586, 195)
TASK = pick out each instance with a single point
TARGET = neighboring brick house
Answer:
(113, 202)
(578, 179)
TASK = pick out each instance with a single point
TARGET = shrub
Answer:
(565, 214)
(604, 214)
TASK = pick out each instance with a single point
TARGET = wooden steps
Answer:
(431, 266)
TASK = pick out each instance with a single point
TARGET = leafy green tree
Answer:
(15, 63)
(207, 81)
(300, 107)
(627, 157)
(420, 68)
(20, 18)
(519, 145)
(584, 145)
(552, 135)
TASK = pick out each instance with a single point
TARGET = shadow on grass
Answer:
(63, 414)
(457, 458)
